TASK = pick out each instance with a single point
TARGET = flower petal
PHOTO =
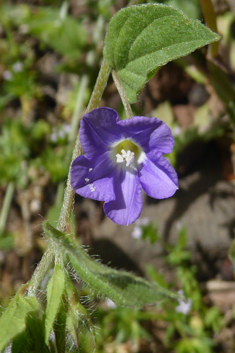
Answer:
(157, 177)
(99, 130)
(92, 178)
(149, 133)
(127, 206)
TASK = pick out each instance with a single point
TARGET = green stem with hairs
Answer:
(94, 102)
(52, 251)
(99, 86)
(122, 93)
(79, 106)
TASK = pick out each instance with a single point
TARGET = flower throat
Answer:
(127, 152)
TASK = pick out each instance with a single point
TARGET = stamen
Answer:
(86, 179)
(130, 157)
(127, 153)
(125, 156)
(123, 153)
(119, 158)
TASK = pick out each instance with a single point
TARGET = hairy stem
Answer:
(122, 93)
(99, 86)
(94, 102)
(41, 270)
(79, 106)
(66, 210)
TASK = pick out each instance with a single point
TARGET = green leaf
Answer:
(78, 322)
(13, 320)
(142, 38)
(123, 288)
(60, 327)
(32, 339)
(55, 290)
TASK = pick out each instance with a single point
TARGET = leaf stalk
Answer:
(123, 96)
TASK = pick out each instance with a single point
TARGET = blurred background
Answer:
(50, 54)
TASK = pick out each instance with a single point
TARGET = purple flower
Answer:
(121, 158)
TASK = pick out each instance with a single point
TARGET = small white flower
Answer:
(184, 306)
(137, 232)
(17, 67)
(7, 75)
(54, 137)
(176, 131)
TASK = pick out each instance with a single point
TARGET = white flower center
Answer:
(126, 156)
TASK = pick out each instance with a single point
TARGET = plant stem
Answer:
(210, 19)
(6, 206)
(122, 93)
(66, 210)
(79, 106)
(99, 86)
(94, 102)
(41, 270)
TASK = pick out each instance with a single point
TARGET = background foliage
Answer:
(50, 53)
